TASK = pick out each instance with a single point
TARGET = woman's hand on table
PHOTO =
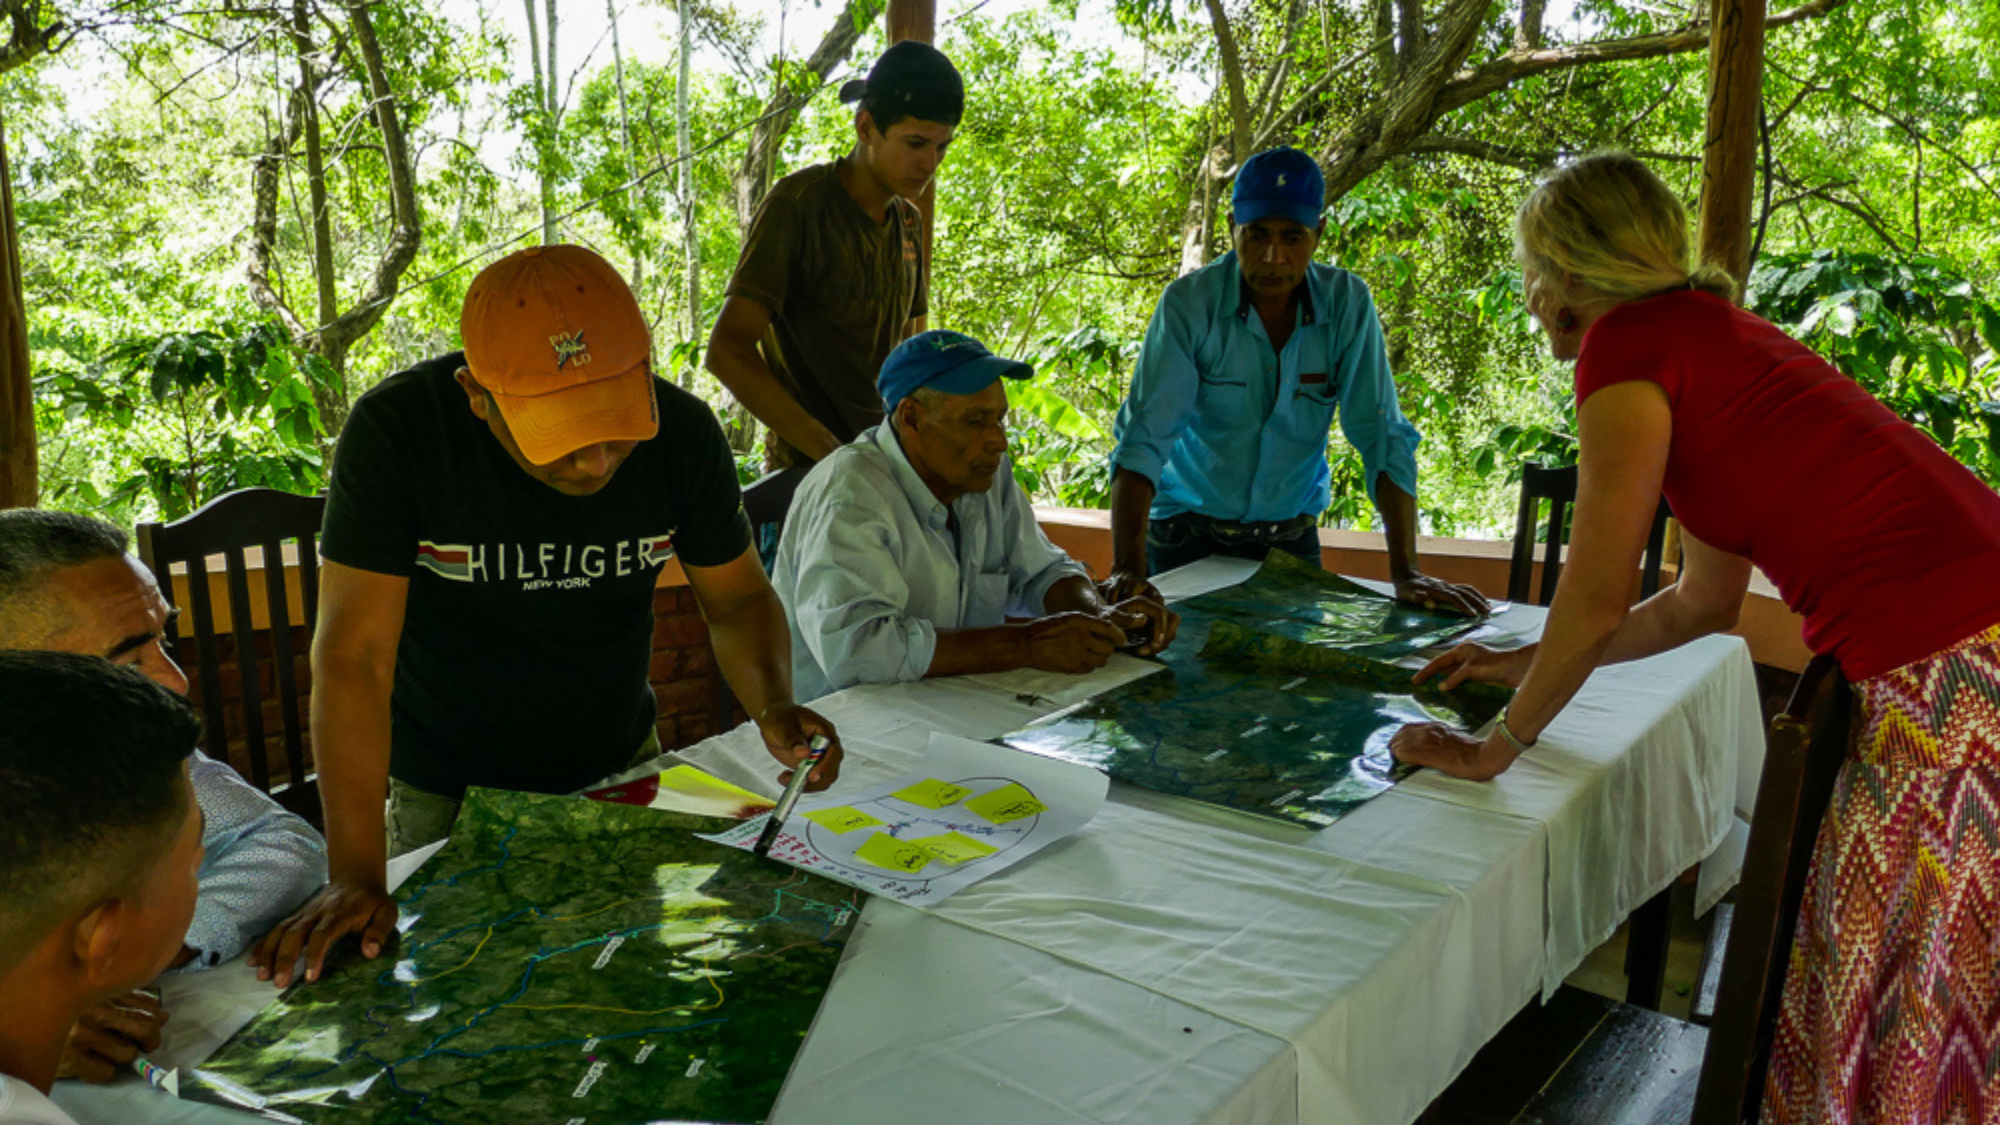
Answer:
(1481, 664)
(340, 908)
(787, 727)
(1449, 750)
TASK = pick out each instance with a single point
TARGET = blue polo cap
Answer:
(1279, 183)
(952, 362)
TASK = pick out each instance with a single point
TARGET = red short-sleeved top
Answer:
(1887, 547)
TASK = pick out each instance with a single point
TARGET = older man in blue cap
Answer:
(907, 550)
(1222, 441)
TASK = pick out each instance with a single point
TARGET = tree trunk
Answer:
(690, 235)
(331, 400)
(20, 482)
(1728, 171)
(752, 177)
(545, 109)
(332, 334)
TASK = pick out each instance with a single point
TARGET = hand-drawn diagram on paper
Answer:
(560, 960)
(972, 809)
(1258, 723)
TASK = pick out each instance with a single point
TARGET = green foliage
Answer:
(1922, 337)
(237, 404)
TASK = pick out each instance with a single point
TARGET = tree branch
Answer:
(1232, 81)
(1471, 85)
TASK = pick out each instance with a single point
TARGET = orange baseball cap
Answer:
(556, 335)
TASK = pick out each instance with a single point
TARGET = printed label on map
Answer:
(590, 1078)
(1253, 732)
(1288, 798)
(645, 1052)
(842, 918)
(694, 1067)
(604, 958)
(1294, 683)
(1217, 754)
(590, 1044)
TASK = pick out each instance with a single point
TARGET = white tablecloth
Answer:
(1180, 963)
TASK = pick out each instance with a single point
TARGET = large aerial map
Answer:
(565, 961)
(1264, 705)
(1296, 600)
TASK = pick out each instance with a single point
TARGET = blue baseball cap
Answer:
(952, 362)
(1279, 182)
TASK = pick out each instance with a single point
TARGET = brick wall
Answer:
(685, 681)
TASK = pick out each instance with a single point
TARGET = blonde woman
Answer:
(1887, 547)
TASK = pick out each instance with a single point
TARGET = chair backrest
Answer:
(769, 497)
(1802, 760)
(263, 519)
(1558, 488)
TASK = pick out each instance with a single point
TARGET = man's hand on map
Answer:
(786, 728)
(1433, 593)
(1481, 664)
(1071, 642)
(109, 1036)
(1147, 621)
(340, 908)
(1452, 751)
(1125, 584)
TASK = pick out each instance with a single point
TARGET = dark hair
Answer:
(90, 763)
(35, 543)
(910, 80)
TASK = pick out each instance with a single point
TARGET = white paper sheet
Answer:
(970, 810)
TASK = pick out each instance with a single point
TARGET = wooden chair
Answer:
(1649, 931)
(1582, 1058)
(1558, 488)
(229, 525)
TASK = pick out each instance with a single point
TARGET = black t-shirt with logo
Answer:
(527, 638)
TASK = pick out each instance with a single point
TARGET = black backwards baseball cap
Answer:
(911, 79)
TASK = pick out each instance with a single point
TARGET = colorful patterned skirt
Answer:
(1892, 998)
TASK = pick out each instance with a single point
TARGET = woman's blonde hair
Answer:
(1614, 230)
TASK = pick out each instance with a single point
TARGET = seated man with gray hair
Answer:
(907, 550)
(67, 585)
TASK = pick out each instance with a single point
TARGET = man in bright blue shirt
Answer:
(1222, 441)
(906, 550)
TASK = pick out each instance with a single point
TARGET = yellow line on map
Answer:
(463, 964)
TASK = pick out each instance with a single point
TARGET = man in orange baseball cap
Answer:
(496, 522)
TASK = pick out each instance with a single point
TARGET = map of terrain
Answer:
(1265, 705)
(562, 960)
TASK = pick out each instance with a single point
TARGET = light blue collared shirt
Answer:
(262, 862)
(869, 569)
(1224, 427)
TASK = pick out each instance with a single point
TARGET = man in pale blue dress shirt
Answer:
(1221, 444)
(907, 550)
(67, 585)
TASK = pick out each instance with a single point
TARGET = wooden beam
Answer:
(1729, 158)
(20, 486)
(917, 19)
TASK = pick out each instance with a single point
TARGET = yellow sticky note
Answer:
(931, 794)
(953, 847)
(884, 850)
(1008, 803)
(842, 820)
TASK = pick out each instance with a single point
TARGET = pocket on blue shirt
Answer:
(986, 601)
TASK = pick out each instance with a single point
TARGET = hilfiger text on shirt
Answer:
(545, 566)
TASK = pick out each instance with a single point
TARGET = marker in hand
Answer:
(816, 748)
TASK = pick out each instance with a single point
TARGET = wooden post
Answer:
(19, 486)
(1729, 159)
(917, 19)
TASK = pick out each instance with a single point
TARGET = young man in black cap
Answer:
(834, 271)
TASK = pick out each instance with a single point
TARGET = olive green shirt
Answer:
(842, 290)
